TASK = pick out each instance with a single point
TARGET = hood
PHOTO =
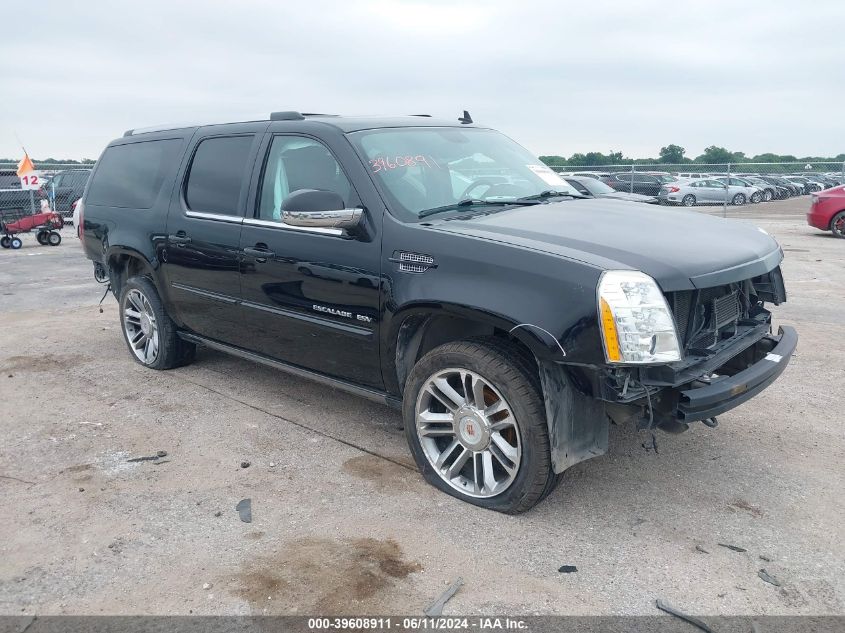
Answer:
(679, 249)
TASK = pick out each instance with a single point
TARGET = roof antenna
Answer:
(466, 118)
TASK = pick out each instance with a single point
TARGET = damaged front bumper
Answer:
(580, 404)
(769, 356)
(671, 396)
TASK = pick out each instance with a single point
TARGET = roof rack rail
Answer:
(289, 115)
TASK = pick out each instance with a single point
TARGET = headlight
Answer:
(636, 324)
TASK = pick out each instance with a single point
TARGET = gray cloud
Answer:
(754, 76)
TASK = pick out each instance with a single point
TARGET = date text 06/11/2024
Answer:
(417, 624)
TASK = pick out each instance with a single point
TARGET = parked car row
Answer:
(692, 188)
(61, 190)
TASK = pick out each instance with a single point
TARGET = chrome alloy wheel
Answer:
(139, 323)
(468, 432)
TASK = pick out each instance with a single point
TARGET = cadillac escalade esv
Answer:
(442, 269)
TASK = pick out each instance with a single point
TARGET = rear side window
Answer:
(131, 175)
(217, 174)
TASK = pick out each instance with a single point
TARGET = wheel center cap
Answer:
(473, 430)
(146, 326)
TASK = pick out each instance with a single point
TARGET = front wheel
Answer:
(41, 236)
(6, 241)
(688, 200)
(738, 200)
(148, 331)
(837, 224)
(16, 243)
(53, 238)
(756, 197)
(475, 423)
(767, 195)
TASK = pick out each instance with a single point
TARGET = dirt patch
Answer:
(316, 575)
(379, 470)
(253, 536)
(42, 362)
(741, 504)
(78, 469)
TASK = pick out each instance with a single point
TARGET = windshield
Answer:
(420, 169)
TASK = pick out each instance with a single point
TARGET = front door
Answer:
(310, 296)
(202, 256)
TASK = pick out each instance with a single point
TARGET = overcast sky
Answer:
(753, 76)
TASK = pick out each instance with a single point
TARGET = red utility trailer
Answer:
(46, 227)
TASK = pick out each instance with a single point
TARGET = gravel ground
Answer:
(341, 520)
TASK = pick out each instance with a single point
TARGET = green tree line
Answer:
(676, 155)
(52, 161)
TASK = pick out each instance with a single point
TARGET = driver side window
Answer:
(294, 163)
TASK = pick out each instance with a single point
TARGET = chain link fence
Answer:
(698, 184)
(62, 185)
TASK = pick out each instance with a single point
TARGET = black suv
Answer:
(442, 269)
(637, 182)
(66, 187)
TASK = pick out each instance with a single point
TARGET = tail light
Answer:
(673, 189)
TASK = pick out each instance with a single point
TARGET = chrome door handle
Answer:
(259, 253)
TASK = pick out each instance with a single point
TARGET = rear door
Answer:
(311, 295)
(201, 260)
(714, 191)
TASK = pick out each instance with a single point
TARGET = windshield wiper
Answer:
(469, 202)
(550, 193)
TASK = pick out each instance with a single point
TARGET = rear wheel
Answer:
(837, 224)
(149, 332)
(738, 200)
(475, 423)
(16, 243)
(53, 238)
(41, 236)
(688, 200)
(6, 241)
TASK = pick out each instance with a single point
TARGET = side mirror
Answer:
(319, 209)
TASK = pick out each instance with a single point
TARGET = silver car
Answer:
(705, 191)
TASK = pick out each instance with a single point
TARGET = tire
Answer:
(756, 197)
(837, 225)
(165, 350)
(41, 236)
(16, 243)
(53, 238)
(688, 200)
(501, 375)
(767, 195)
(6, 241)
(738, 200)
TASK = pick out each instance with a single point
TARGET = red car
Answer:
(827, 211)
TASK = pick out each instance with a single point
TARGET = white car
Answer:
(705, 191)
(77, 215)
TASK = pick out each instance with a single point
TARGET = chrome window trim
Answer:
(272, 224)
(219, 217)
